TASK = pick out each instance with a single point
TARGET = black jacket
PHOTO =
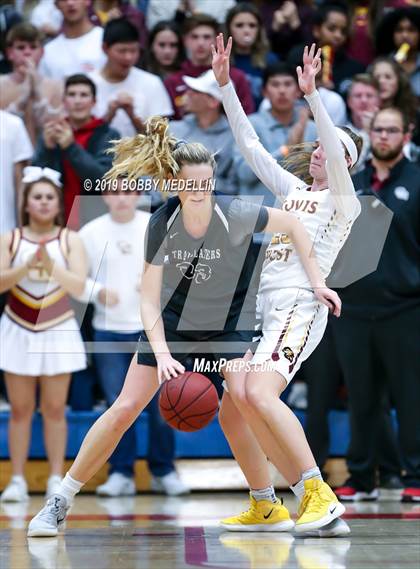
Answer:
(91, 163)
(395, 285)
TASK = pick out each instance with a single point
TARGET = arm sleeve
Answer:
(155, 238)
(246, 218)
(272, 175)
(44, 157)
(339, 180)
(91, 166)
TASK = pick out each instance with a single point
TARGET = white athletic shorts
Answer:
(293, 322)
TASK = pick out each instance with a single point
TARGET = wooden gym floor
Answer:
(156, 532)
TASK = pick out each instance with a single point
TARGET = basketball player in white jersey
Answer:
(293, 321)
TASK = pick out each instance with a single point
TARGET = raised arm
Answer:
(339, 180)
(265, 167)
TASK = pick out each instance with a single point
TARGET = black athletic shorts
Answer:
(228, 344)
(184, 344)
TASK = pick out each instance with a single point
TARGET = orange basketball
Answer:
(188, 402)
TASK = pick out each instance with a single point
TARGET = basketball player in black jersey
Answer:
(199, 265)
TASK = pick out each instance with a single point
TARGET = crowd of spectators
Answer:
(77, 74)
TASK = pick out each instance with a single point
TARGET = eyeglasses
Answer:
(387, 130)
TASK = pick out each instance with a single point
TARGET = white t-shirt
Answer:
(15, 146)
(66, 56)
(148, 91)
(116, 256)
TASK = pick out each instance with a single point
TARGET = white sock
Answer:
(69, 487)
(264, 494)
(19, 479)
(55, 477)
(298, 490)
(312, 473)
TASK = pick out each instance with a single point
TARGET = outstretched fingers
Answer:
(220, 44)
(229, 46)
(312, 51)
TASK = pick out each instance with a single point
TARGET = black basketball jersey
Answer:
(206, 280)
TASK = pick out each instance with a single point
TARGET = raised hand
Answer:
(311, 67)
(220, 61)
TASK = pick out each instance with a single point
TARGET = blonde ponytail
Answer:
(155, 153)
(299, 156)
(298, 159)
(148, 154)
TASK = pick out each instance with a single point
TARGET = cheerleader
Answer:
(322, 196)
(41, 264)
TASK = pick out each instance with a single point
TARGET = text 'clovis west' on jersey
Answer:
(327, 229)
(208, 281)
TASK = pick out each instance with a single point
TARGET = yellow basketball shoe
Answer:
(319, 506)
(263, 515)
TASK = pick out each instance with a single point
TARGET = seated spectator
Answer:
(115, 246)
(206, 123)
(165, 51)
(331, 32)
(250, 48)
(42, 264)
(179, 10)
(24, 91)
(398, 35)
(127, 96)
(103, 11)
(395, 91)
(78, 49)
(276, 127)
(287, 22)
(199, 35)
(76, 146)
(16, 151)
(363, 102)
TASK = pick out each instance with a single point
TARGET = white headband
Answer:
(349, 144)
(35, 173)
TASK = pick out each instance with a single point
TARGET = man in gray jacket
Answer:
(206, 123)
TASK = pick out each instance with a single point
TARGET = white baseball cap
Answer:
(206, 83)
